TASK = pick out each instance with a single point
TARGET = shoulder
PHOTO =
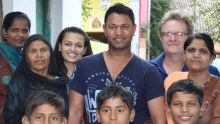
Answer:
(213, 70)
(143, 64)
(158, 60)
(91, 58)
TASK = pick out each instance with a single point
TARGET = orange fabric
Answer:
(175, 76)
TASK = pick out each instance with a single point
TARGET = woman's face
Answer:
(38, 56)
(17, 33)
(72, 47)
(197, 56)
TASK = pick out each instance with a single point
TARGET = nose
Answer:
(184, 109)
(20, 34)
(196, 54)
(172, 37)
(39, 54)
(118, 31)
(73, 48)
(113, 116)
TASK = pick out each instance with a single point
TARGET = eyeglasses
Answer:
(175, 34)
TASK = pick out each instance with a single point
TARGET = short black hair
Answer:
(207, 39)
(120, 9)
(10, 17)
(38, 98)
(115, 91)
(186, 86)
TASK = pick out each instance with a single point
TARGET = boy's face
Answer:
(44, 114)
(185, 108)
(115, 111)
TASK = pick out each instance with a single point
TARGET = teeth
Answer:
(119, 39)
(71, 54)
(185, 117)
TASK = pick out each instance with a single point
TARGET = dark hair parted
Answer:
(10, 17)
(115, 91)
(38, 98)
(186, 86)
(120, 9)
(178, 16)
(206, 38)
(57, 54)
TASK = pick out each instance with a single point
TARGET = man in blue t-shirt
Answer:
(174, 28)
(117, 66)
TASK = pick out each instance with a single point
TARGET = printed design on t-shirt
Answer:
(96, 82)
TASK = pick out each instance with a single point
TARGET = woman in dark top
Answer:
(37, 71)
(15, 30)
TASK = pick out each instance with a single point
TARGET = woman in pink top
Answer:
(198, 54)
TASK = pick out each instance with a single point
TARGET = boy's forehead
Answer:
(114, 102)
(46, 109)
(182, 96)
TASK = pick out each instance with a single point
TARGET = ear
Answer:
(132, 115)
(184, 57)
(104, 29)
(84, 52)
(98, 116)
(64, 121)
(25, 120)
(168, 111)
(134, 28)
(211, 59)
(202, 110)
(160, 37)
(4, 33)
(59, 47)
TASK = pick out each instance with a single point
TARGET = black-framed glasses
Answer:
(175, 34)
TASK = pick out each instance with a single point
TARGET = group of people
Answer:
(69, 85)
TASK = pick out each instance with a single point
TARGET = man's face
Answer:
(44, 114)
(119, 31)
(185, 108)
(115, 111)
(173, 36)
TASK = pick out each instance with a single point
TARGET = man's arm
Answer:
(156, 108)
(76, 107)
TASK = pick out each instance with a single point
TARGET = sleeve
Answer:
(12, 113)
(154, 84)
(76, 82)
(5, 76)
(215, 118)
(213, 70)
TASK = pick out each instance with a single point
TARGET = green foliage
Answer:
(211, 17)
(86, 8)
(158, 8)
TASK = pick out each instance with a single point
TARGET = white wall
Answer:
(64, 13)
(56, 19)
(134, 5)
(26, 6)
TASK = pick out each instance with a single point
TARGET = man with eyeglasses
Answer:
(174, 28)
